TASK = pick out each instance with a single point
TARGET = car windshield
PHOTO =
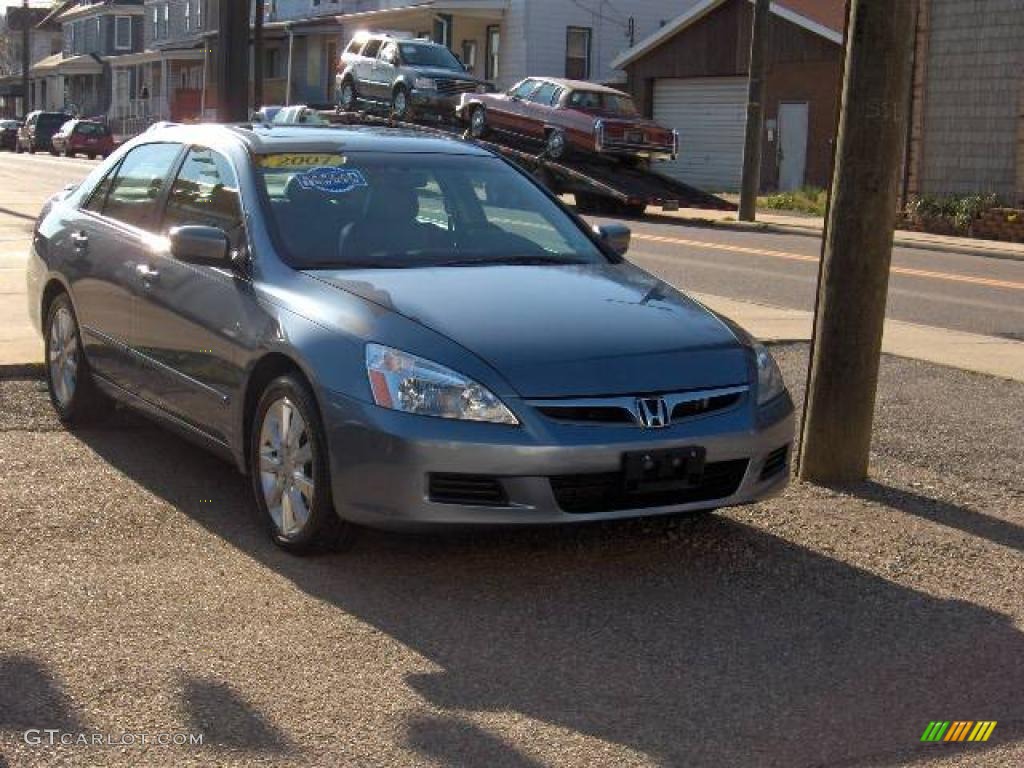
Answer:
(613, 103)
(51, 120)
(425, 55)
(369, 210)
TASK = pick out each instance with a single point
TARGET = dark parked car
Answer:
(9, 133)
(406, 76)
(37, 131)
(87, 137)
(567, 116)
(395, 329)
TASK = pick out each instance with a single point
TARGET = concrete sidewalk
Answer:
(811, 226)
(20, 344)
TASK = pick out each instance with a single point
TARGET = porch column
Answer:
(202, 93)
(288, 80)
(165, 107)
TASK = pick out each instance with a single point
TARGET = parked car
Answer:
(37, 131)
(395, 329)
(406, 76)
(565, 116)
(9, 133)
(88, 137)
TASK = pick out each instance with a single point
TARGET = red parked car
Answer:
(89, 137)
(566, 116)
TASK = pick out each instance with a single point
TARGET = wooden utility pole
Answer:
(257, 55)
(858, 249)
(26, 60)
(233, 61)
(751, 183)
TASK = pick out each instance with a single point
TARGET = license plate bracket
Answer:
(663, 469)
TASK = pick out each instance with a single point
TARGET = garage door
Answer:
(710, 115)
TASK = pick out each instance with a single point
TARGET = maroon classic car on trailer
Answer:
(567, 116)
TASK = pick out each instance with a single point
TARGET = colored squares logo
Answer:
(958, 730)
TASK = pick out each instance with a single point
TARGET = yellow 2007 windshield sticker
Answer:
(301, 160)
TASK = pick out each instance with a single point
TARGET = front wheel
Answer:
(290, 471)
(478, 122)
(68, 378)
(401, 109)
(555, 145)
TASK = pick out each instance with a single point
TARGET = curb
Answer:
(21, 371)
(793, 229)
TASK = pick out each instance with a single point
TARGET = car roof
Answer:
(578, 85)
(260, 138)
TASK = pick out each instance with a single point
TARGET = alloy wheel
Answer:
(286, 466)
(400, 103)
(348, 97)
(64, 356)
(478, 122)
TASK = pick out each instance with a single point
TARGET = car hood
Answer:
(440, 73)
(571, 331)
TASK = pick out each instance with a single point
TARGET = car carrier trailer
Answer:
(598, 185)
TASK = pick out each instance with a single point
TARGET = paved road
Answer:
(967, 293)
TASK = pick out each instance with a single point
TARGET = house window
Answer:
(199, 14)
(123, 33)
(156, 22)
(469, 54)
(577, 53)
(272, 68)
(188, 15)
(493, 45)
(165, 20)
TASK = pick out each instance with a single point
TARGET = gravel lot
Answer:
(826, 627)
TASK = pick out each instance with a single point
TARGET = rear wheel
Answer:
(290, 472)
(92, 155)
(478, 122)
(68, 378)
(347, 96)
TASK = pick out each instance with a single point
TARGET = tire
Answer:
(53, 152)
(31, 148)
(556, 145)
(92, 155)
(63, 153)
(587, 203)
(632, 210)
(293, 498)
(17, 148)
(401, 109)
(73, 393)
(347, 97)
(478, 122)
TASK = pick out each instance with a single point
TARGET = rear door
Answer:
(192, 321)
(538, 112)
(108, 239)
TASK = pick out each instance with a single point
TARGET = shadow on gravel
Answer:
(223, 717)
(698, 642)
(30, 697)
(967, 520)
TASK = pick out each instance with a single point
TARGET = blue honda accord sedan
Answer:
(393, 329)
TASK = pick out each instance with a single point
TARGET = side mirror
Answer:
(615, 236)
(197, 244)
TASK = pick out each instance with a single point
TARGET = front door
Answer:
(792, 145)
(191, 320)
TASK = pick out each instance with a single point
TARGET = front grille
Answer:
(625, 410)
(775, 463)
(597, 414)
(470, 490)
(449, 87)
(605, 491)
(690, 408)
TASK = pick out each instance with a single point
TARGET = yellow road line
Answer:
(908, 271)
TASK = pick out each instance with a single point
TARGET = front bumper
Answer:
(381, 462)
(436, 102)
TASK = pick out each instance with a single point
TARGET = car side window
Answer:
(98, 197)
(389, 53)
(371, 48)
(139, 183)
(205, 192)
(543, 94)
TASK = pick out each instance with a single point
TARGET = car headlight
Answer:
(769, 378)
(424, 84)
(408, 383)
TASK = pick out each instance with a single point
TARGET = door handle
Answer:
(147, 274)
